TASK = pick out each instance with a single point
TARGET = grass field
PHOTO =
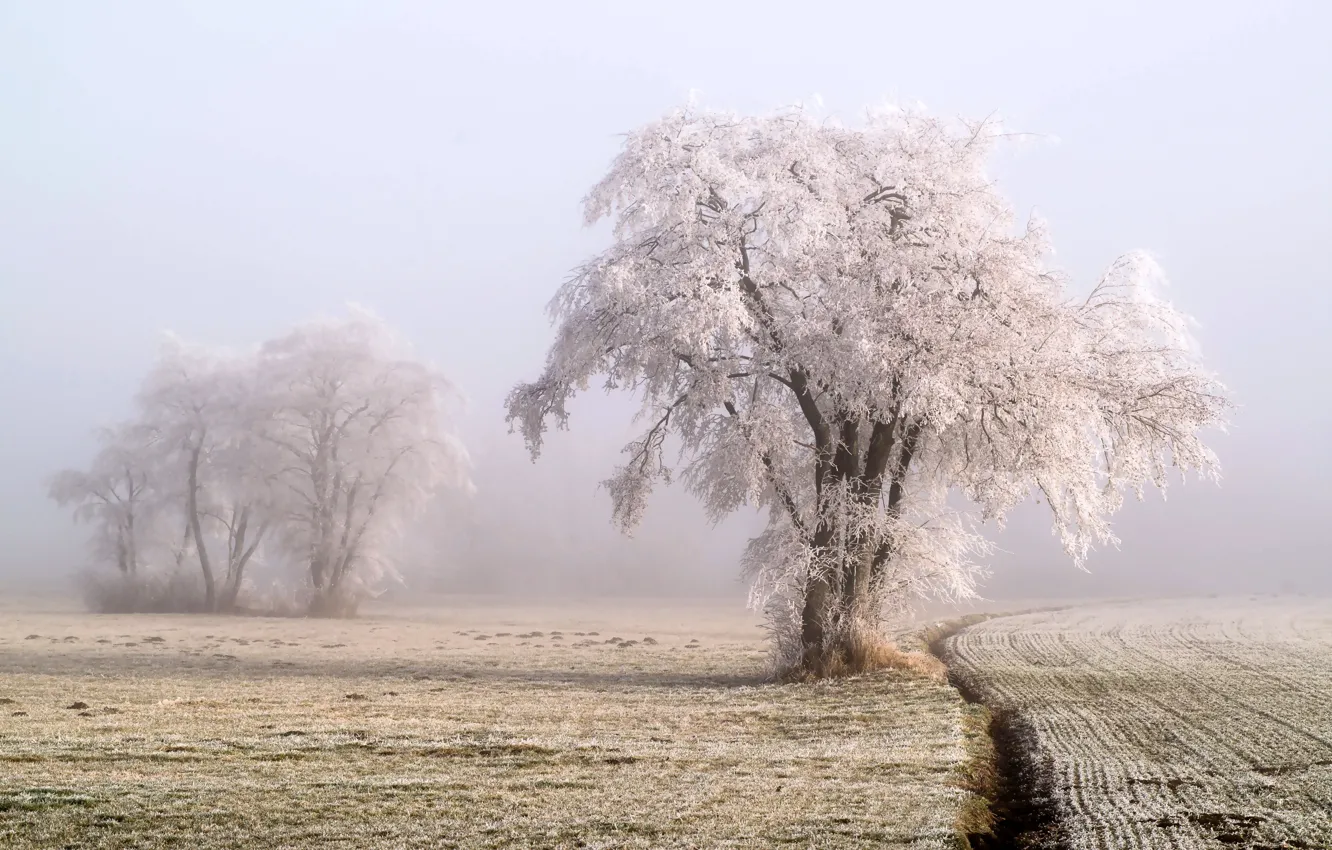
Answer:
(1203, 724)
(472, 725)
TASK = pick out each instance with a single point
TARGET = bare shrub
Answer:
(334, 605)
(175, 592)
(278, 599)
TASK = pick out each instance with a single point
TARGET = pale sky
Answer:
(225, 170)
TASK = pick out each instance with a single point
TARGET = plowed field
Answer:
(1167, 724)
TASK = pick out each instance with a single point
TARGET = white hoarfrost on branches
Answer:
(846, 325)
(191, 406)
(363, 436)
(315, 450)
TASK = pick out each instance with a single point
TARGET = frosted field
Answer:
(467, 726)
(1201, 724)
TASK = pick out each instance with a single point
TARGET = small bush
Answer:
(176, 592)
(277, 600)
(334, 605)
(181, 592)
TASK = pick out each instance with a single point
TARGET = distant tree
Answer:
(844, 326)
(319, 446)
(363, 438)
(188, 406)
(113, 495)
(243, 504)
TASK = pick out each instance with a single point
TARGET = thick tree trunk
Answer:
(840, 619)
(317, 572)
(813, 623)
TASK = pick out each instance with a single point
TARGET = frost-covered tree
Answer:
(364, 439)
(844, 326)
(113, 496)
(188, 405)
(200, 424)
(242, 502)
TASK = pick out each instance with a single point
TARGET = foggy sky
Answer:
(226, 170)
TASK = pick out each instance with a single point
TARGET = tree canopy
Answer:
(844, 326)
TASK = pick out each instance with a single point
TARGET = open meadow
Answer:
(1173, 724)
(475, 723)
(630, 724)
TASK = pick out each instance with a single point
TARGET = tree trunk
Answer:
(210, 592)
(131, 546)
(813, 622)
(840, 615)
(239, 556)
(815, 615)
(231, 587)
(840, 618)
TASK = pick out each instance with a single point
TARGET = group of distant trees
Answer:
(308, 454)
(846, 327)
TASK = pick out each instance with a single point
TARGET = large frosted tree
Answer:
(845, 326)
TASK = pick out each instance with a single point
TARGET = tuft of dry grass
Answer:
(864, 657)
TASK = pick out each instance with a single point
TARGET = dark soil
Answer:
(1026, 815)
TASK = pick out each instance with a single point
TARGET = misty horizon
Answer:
(228, 173)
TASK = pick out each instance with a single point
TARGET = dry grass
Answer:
(868, 657)
(980, 774)
(468, 726)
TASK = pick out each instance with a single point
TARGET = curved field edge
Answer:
(535, 730)
(1161, 724)
(981, 774)
(1011, 804)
